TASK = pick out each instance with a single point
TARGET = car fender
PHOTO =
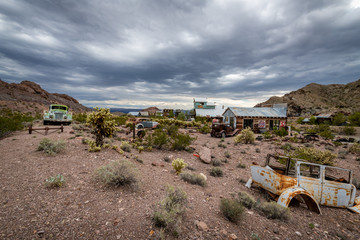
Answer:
(286, 197)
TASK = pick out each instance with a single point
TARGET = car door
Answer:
(310, 178)
(336, 190)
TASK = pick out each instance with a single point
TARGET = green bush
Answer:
(170, 212)
(338, 119)
(300, 120)
(216, 162)
(246, 136)
(125, 146)
(205, 129)
(216, 172)
(314, 155)
(349, 130)
(355, 119)
(281, 132)
(273, 210)
(79, 117)
(241, 165)
(181, 141)
(355, 148)
(160, 138)
(55, 182)
(231, 209)
(246, 200)
(120, 120)
(51, 147)
(178, 164)
(102, 123)
(13, 121)
(287, 147)
(267, 135)
(118, 174)
(193, 178)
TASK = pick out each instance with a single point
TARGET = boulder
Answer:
(205, 155)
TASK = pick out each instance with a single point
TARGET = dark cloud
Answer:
(143, 53)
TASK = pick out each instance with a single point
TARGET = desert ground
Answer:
(84, 209)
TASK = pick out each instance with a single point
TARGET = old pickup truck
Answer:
(223, 130)
(57, 113)
(290, 180)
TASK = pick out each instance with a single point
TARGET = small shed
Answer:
(257, 118)
(135, 114)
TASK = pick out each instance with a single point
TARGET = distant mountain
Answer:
(125, 110)
(316, 98)
(28, 96)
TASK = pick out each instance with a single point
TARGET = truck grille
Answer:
(59, 116)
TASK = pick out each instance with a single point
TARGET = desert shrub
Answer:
(170, 211)
(102, 123)
(356, 183)
(216, 162)
(281, 132)
(13, 121)
(181, 116)
(338, 119)
(193, 178)
(273, 210)
(55, 182)
(118, 174)
(181, 141)
(93, 147)
(287, 147)
(246, 136)
(216, 172)
(160, 138)
(336, 143)
(342, 154)
(231, 209)
(349, 130)
(241, 165)
(246, 200)
(178, 164)
(257, 150)
(140, 148)
(355, 148)
(267, 135)
(51, 147)
(314, 155)
(167, 159)
(205, 129)
(355, 119)
(138, 159)
(300, 120)
(312, 120)
(125, 146)
(227, 154)
(222, 145)
(120, 120)
(79, 117)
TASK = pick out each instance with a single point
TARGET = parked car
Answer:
(223, 130)
(142, 123)
(57, 114)
(289, 179)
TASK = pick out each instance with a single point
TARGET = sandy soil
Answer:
(85, 210)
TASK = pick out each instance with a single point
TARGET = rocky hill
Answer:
(316, 98)
(28, 96)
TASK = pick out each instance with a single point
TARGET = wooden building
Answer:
(259, 119)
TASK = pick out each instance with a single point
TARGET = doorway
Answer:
(248, 123)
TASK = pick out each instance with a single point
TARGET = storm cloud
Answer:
(163, 53)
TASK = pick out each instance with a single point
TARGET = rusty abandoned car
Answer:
(223, 130)
(289, 180)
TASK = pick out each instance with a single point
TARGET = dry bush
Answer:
(169, 214)
(193, 178)
(273, 210)
(246, 136)
(246, 200)
(231, 209)
(314, 155)
(355, 148)
(55, 182)
(118, 174)
(216, 172)
(51, 147)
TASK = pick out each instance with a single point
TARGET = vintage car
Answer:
(223, 130)
(289, 180)
(141, 123)
(57, 114)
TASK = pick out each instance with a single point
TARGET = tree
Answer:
(339, 119)
(181, 116)
(102, 123)
(355, 119)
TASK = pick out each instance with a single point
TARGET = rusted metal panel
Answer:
(287, 196)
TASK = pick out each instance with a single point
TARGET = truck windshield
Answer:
(59, 107)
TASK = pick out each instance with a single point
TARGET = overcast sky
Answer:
(162, 53)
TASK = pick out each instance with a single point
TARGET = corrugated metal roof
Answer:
(200, 100)
(134, 113)
(217, 112)
(324, 115)
(258, 112)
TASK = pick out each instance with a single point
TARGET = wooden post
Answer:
(134, 131)
(30, 129)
